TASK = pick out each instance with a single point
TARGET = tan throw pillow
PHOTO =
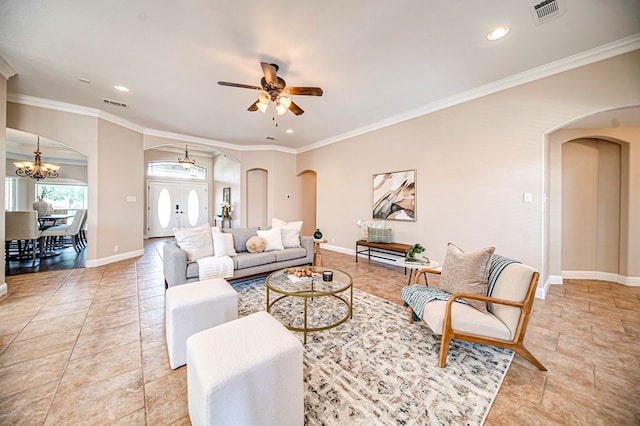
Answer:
(195, 241)
(256, 244)
(290, 232)
(467, 273)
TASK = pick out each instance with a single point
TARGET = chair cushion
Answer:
(467, 273)
(512, 284)
(465, 319)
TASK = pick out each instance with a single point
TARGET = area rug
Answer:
(377, 369)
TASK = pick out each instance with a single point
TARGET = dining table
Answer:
(48, 221)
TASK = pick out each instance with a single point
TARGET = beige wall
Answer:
(474, 161)
(121, 201)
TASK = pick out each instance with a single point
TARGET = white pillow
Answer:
(273, 237)
(195, 241)
(223, 243)
(290, 232)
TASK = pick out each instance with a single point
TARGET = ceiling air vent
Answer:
(546, 10)
(271, 138)
(115, 103)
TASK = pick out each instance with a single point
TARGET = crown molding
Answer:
(606, 51)
(6, 70)
(215, 143)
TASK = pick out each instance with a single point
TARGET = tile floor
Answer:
(87, 346)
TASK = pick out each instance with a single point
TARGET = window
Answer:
(175, 170)
(63, 197)
(10, 193)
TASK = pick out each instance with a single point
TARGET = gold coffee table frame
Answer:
(278, 282)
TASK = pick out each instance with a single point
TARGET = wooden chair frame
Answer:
(516, 344)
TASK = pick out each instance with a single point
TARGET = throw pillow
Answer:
(223, 243)
(467, 273)
(273, 238)
(290, 232)
(366, 224)
(256, 244)
(377, 235)
(195, 241)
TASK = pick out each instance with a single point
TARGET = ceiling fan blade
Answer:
(310, 91)
(270, 71)
(294, 108)
(254, 106)
(244, 86)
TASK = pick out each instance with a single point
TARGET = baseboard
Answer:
(601, 276)
(352, 252)
(3, 289)
(112, 259)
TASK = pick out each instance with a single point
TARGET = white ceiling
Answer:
(378, 61)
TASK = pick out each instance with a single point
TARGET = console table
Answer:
(389, 251)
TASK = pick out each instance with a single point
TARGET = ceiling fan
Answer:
(274, 89)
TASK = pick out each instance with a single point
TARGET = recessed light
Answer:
(121, 88)
(498, 33)
(289, 131)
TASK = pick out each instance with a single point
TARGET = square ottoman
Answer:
(245, 372)
(193, 307)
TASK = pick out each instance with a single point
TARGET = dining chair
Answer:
(71, 230)
(22, 227)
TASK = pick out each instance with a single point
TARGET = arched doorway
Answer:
(591, 207)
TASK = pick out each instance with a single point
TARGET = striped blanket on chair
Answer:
(417, 296)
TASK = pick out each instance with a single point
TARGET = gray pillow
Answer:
(467, 273)
(376, 235)
(241, 236)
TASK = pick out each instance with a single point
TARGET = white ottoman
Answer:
(193, 307)
(245, 372)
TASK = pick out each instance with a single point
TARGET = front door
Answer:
(175, 205)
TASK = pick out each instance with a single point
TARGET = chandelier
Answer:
(36, 170)
(186, 162)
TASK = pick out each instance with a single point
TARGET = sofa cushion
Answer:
(273, 237)
(247, 260)
(290, 254)
(290, 232)
(196, 241)
(466, 273)
(240, 237)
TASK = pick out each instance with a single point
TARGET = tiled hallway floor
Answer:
(87, 346)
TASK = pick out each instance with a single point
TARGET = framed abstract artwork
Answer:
(226, 194)
(394, 195)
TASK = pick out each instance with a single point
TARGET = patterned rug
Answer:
(377, 369)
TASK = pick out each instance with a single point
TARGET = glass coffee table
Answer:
(310, 304)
